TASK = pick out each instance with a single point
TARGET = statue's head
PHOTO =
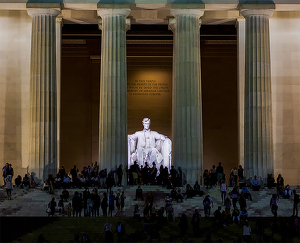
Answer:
(146, 123)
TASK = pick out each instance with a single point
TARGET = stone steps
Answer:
(33, 202)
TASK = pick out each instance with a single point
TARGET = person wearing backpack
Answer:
(207, 202)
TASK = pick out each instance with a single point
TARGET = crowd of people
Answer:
(89, 201)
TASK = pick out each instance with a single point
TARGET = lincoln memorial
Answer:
(220, 79)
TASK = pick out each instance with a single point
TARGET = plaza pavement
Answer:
(33, 202)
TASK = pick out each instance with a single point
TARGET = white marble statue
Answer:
(149, 146)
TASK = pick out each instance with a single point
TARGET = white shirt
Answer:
(223, 187)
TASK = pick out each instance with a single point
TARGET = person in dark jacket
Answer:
(104, 204)
(97, 203)
(196, 222)
(52, 205)
(76, 204)
(119, 174)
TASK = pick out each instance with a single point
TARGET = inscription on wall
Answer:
(148, 87)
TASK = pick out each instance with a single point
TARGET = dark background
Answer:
(80, 89)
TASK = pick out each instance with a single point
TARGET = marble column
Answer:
(43, 94)
(258, 101)
(187, 100)
(240, 26)
(113, 89)
(59, 25)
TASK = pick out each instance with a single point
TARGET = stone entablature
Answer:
(149, 12)
(206, 2)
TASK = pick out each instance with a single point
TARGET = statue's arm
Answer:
(159, 136)
(133, 136)
(132, 140)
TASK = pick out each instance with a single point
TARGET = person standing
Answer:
(213, 175)
(220, 172)
(119, 174)
(242, 202)
(241, 173)
(196, 222)
(76, 204)
(173, 174)
(246, 232)
(4, 173)
(223, 189)
(234, 195)
(235, 175)
(274, 204)
(118, 204)
(104, 205)
(109, 181)
(86, 194)
(122, 201)
(52, 205)
(9, 187)
(97, 203)
(10, 172)
(90, 203)
(208, 203)
(111, 203)
(280, 185)
(107, 229)
(96, 168)
(103, 175)
(120, 229)
(73, 173)
(153, 173)
(295, 205)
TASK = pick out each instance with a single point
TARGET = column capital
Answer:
(172, 24)
(247, 10)
(190, 12)
(256, 12)
(186, 12)
(43, 11)
(102, 12)
(127, 22)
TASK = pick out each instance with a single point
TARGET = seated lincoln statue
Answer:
(149, 146)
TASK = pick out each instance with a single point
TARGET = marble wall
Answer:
(15, 37)
(285, 70)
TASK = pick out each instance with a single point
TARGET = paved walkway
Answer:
(33, 202)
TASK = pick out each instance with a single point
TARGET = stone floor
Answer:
(33, 202)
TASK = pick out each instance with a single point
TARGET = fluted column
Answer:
(187, 100)
(258, 104)
(59, 25)
(240, 26)
(113, 89)
(43, 103)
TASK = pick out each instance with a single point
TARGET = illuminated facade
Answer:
(268, 81)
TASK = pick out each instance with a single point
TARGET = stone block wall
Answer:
(15, 37)
(285, 71)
